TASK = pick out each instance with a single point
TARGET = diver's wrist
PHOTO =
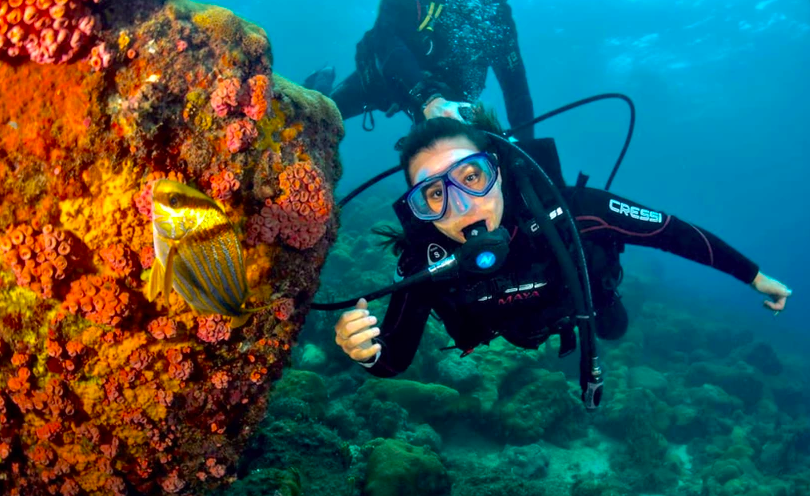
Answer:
(371, 362)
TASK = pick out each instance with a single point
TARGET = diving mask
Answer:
(474, 175)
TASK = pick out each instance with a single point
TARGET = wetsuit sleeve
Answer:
(398, 64)
(602, 214)
(511, 74)
(401, 331)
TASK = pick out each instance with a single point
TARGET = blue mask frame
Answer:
(446, 181)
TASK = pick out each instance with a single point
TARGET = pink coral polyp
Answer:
(48, 32)
(240, 134)
(226, 96)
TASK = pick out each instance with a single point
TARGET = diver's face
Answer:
(462, 209)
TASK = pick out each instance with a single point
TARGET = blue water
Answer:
(723, 129)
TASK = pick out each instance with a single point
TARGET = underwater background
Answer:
(706, 395)
(723, 114)
(107, 388)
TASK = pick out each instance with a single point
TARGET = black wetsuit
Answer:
(526, 301)
(399, 64)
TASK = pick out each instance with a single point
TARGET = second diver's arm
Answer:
(398, 64)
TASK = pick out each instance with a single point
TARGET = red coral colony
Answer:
(101, 391)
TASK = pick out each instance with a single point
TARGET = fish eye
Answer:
(173, 201)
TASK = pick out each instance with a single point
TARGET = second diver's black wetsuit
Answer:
(526, 300)
(422, 48)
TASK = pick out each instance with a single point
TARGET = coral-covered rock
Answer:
(740, 381)
(647, 378)
(459, 374)
(431, 403)
(305, 386)
(762, 356)
(101, 391)
(543, 409)
(397, 468)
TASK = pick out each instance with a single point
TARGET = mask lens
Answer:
(427, 201)
(474, 176)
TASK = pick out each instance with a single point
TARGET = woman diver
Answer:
(460, 187)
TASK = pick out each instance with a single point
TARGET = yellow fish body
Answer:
(197, 253)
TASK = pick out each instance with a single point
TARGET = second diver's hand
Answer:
(439, 107)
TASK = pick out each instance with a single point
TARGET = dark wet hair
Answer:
(425, 134)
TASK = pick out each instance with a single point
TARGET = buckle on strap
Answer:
(368, 114)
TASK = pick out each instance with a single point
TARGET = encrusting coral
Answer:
(102, 392)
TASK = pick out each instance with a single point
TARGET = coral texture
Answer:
(102, 392)
(48, 31)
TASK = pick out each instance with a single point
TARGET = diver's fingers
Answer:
(350, 316)
(360, 310)
(361, 354)
(358, 325)
(777, 305)
(346, 330)
(361, 339)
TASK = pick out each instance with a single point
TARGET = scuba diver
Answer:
(463, 191)
(429, 59)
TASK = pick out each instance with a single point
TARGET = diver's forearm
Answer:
(600, 213)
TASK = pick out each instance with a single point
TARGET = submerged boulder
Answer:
(396, 468)
(102, 391)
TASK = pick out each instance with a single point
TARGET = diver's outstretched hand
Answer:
(777, 291)
(353, 332)
(439, 107)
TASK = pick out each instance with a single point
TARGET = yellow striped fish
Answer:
(197, 253)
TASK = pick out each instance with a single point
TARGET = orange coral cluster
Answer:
(240, 134)
(38, 259)
(163, 328)
(299, 214)
(230, 94)
(118, 259)
(225, 96)
(223, 184)
(256, 106)
(213, 328)
(305, 192)
(99, 299)
(46, 31)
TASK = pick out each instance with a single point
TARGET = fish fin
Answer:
(167, 277)
(240, 320)
(155, 283)
(258, 309)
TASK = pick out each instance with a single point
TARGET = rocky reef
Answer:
(101, 393)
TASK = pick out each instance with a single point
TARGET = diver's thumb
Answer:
(362, 304)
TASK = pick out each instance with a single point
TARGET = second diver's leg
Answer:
(349, 96)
